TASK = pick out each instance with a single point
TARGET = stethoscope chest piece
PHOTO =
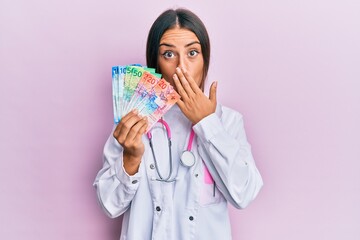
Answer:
(187, 158)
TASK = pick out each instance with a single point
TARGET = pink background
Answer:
(291, 67)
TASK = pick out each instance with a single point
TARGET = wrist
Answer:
(131, 164)
(199, 118)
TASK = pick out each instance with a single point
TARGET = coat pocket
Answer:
(209, 194)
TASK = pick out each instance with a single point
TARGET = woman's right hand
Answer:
(129, 135)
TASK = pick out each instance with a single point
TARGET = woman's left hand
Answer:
(194, 103)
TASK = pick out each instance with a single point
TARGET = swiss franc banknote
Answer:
(162, 98)
(142, 92)
(132, 78)
(115, 93)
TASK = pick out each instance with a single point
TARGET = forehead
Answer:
(179, 36)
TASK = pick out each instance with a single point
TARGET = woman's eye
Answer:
(168, 54)
(193, 53)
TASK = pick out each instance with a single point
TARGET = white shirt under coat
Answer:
(190, 207)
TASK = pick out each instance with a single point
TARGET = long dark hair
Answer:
(184, 19)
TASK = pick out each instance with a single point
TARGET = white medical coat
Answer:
(194, 206)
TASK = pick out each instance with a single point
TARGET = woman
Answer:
(162, 193)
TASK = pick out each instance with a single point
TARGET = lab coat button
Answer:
(134, 182)
(191, 218)
(152, 166)
(158, 209)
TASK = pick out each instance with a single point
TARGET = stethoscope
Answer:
(187, 158)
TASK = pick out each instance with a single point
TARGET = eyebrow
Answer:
(187, 45)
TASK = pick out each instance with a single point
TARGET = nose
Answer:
(182, 63)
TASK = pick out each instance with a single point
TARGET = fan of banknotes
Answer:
(141, 88)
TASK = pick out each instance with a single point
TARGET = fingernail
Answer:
(135, 111)
(183, 69)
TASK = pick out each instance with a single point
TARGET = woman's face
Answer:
(180, 47)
